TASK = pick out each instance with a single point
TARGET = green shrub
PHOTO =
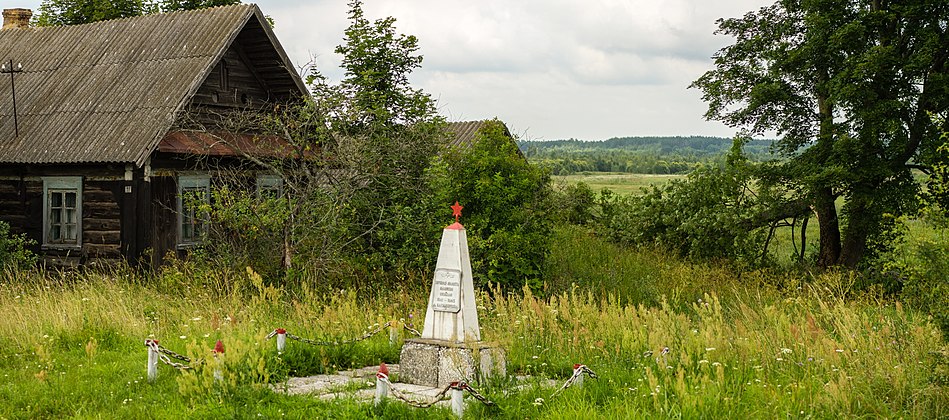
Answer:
(507, 207)
(716, 213)
(14, 249)
(576, 203)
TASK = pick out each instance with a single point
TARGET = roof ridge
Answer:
(157, 15)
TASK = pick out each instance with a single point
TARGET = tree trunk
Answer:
(855, 236)
(829, 226)
(824, 197)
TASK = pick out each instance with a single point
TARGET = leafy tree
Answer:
(390, 127)
(175, 5)
(75, 12)
(356, 196)
(849, 87)
(717, 212)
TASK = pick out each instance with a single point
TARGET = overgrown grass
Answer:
(71, 345)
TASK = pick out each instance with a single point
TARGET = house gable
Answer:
(254, 70)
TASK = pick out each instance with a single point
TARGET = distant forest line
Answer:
(639, 155)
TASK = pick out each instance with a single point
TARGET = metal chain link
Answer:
(579, 371)
(440, 396)
(162, 355)
(474, 393)
(411, 330)
(183, 358)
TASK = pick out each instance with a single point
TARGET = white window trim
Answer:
(189, 181)
(62, 183)
(269, 181)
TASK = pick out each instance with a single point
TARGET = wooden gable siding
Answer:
(244, 87)
(257, 77)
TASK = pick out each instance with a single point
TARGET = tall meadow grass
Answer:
(668, 339)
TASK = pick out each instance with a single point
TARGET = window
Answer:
(62, 210)
(269, 186)
(193, 191)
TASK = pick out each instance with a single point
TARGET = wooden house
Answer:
(93, 165)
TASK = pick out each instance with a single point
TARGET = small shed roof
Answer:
(465, 133)
(109, 91)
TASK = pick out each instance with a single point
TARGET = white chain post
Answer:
(382, 383)
(458, 401)
(152, 360)
(281, 339)
(578, 372)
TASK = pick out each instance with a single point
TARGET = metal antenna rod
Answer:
(12, 70)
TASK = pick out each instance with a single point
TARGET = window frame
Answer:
(61, 184)
(266, 183)
(189, 182)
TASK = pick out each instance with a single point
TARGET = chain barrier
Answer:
(365, 336)
(440, 396)
(474, 393)
(411, 330)
(163, 354)
(577, 373)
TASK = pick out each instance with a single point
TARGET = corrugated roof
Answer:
(109, 91)
(466, 132)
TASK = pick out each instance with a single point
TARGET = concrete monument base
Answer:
(438, 363)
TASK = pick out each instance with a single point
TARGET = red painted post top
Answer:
(456, 211)
(383, 369)
(219, 347)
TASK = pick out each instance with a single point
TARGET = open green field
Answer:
(667, 339)
(620, 183)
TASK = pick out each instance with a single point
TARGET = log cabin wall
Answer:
(163, 227)
(20, 199)
(107, 211)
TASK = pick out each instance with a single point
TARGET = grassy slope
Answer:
(736, 348)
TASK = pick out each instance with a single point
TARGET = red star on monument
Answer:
(456, 210)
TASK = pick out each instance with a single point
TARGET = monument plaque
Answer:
(447, 290)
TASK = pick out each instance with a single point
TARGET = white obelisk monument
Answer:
(450, 348)
(452, 315)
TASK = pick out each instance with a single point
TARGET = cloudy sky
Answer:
(551, 69)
